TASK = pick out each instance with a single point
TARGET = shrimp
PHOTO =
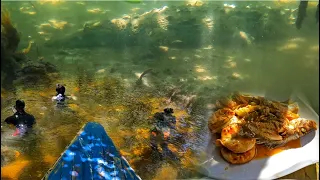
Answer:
(238, 158)
(220, 119)
(230, 139)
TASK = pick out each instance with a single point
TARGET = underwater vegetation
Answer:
(136, 113)
(105, 90)
(126, 68)
(16, 66)
(10, 35)
(182, 27)
(9, 43)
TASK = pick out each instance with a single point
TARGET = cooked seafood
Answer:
(241, 112)
(230, 139)
(244, 121)
(294, 130)
(220, 119)
(238, 158)
(274, 131)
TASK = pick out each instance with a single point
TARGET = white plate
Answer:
(273, 167)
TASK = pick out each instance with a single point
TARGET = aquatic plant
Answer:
(137, 113)
(29, 73)
(15, 66)
(9, 32)
(106, 90)
(113, 89)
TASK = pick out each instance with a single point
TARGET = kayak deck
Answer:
(91, 155)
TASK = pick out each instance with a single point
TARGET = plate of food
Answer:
(252, 137)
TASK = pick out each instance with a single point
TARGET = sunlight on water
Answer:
(122, 62)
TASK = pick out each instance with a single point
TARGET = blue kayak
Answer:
(91, 155)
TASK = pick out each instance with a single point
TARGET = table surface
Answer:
(308, 173)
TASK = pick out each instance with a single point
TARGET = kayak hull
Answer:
(91, 155)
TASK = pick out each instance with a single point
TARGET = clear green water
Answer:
(103, 80)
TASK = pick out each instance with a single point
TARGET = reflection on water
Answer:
(103, 80)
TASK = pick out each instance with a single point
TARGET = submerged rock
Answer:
(30, 73)
(16, 66)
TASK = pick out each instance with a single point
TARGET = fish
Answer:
(135, 9)
(273, 126)
(245, 36)
(95, 10)
(176, 41)
(31, 12)
(134, 1)
(164, 48)
(261, 130)
(295, 129)
(139, 81)
(27, 50)
(58, 24)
